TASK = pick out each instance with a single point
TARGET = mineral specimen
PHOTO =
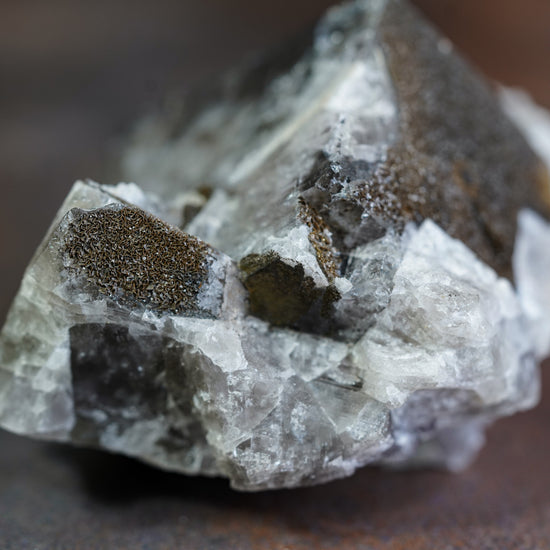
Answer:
(341, 260)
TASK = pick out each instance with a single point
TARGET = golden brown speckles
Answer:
(464, 181)
(320, 239)
(136, 258)
(543, 184)
(457, 159)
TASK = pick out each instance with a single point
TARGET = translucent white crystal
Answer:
(532, 269)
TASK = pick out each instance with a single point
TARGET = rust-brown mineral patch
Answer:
(458, 153)
(320, 238)
(135, 258)
(455, 159)
(543, 180)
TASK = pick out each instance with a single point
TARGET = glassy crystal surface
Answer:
(340, 260)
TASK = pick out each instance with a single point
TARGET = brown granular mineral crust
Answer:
(457, 153)
(456, 159)
(135, 258)
(320, 238)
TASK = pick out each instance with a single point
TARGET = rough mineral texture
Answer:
(339, 258)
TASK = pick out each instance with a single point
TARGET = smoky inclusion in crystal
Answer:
(340, 258)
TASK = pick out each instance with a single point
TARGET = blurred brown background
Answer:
(74, 77)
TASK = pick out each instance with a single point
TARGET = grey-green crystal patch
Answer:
(283, 295)
(317, 275)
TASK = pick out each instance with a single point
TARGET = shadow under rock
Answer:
(118, 482)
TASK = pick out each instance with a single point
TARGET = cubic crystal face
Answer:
(341, 261)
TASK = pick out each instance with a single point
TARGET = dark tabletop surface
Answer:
(74, 76)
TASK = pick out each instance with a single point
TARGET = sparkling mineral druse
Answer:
(344, 259)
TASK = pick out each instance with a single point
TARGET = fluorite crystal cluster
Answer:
(342, 259)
